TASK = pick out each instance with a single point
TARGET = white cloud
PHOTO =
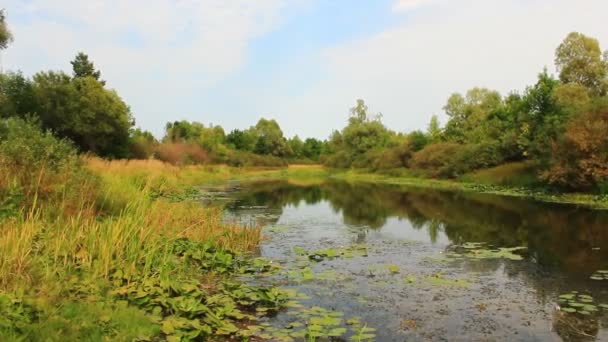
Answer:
(408, 71)
(406, 5)
(160, 49)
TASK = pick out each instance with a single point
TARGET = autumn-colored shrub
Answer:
(579, 160)
(178, 153)
(437, 159)
(38, 168)
(243, 158)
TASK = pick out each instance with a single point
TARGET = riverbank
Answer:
(122, 250)
(468, 183)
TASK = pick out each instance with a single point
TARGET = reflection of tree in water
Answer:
(555, 235)
(575, 328)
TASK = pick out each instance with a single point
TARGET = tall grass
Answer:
(123, 228)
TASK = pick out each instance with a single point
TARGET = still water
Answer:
(427, 265)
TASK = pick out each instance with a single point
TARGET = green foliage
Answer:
(437, 159)
(34, 163)
(82, 67)
(16, 95)
(81, 109)
(579, 60)
(6, 37)
(142, 144)
(362, 135)
(270, 139)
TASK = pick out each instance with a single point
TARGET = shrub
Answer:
(453, 160)
(437, 159)
(579, 160)
(243, 158)
(37, 166)
(340, 160)
(178, 153)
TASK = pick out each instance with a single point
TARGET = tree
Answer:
(297, 146)
(241, 140)
(579, 159)
(142, 144)
(312, 148)
(270, 139)
(96, 119)
(82, 67)
(579, 60)
(434, 129)
(6, 37)
(468, 113)
(16, 95)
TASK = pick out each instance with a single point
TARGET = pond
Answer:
(390, 263)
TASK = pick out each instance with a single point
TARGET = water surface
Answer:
(416, 281)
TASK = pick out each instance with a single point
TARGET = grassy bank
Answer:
(469, 185)
(105, 250)
(508, 180)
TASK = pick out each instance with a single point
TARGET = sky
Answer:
(301, 62)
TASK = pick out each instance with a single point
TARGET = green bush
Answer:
(452, 160)
(35, 165)
(437, 159)
(243, 158)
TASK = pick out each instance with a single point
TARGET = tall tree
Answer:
(83, 67)
(579, 60)
(434, 129)
(81, 109)
(6, 37)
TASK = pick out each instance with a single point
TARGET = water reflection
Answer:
(571, 238)
(565, 245)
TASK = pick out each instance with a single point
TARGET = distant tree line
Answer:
(80, 108)
(558, 125)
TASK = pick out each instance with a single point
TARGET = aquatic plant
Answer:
(575, 302)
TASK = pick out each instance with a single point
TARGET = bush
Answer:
(452, 160)
(243, 158)
(177, 153)
(579, 160)
(437, 159)
(36, 166)
(340, 160)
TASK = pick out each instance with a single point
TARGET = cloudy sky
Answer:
(302, 62)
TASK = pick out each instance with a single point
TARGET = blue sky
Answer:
(302, 62)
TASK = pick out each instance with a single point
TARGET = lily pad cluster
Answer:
(316, 323)
(600, 275)
(331, 253)
(575, 302)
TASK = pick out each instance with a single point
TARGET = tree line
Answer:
(557, 127)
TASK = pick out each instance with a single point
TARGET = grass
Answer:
(115, 250)
(65, 259)
(516, 180)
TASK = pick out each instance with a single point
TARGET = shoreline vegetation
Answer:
(127, 252)
(102, 236)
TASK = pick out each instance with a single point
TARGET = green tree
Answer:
(6, 37)
(83, 67)
(468, 113)
(16, 95)
(270, 139)
(434, 129)
(312, 148)
(297, 147)
(142, 144)
(81, 109)
(241, 140)
(579, 60)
